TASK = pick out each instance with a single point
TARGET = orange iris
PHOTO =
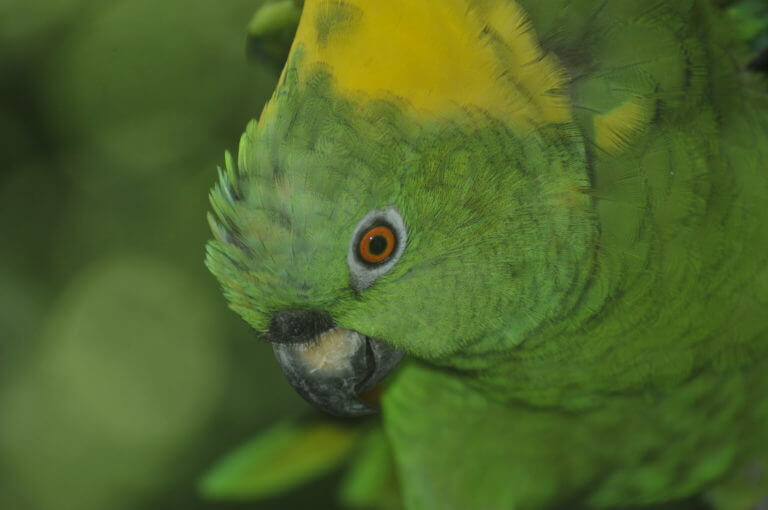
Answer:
(377, 244)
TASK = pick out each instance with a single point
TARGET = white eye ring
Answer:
(364, 274)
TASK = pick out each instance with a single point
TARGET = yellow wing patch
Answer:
(616, 128)
(437, 55)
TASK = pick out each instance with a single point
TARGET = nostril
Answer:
(297, 326)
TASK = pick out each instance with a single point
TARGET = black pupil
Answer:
(377, 245)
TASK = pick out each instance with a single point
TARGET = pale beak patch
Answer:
(333, 368)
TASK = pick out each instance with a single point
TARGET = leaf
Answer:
(371, 481)
(282, 458)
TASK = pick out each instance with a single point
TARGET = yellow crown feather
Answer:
(436, 55)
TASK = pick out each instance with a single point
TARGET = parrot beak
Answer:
(332, 368)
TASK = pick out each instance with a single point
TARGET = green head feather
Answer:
(495, 221)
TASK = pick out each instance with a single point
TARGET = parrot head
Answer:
(397, 198)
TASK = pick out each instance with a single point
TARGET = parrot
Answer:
(522, 243)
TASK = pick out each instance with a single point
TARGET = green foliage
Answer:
(122, 372)
(371, 480)
(289, 455)
(281, 459)
(271, 31)
(751, 19)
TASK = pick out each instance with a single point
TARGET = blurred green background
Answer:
(123, 376)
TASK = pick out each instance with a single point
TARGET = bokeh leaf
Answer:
(271, 31)
(371, 481)
(128, 372)
(280, 459)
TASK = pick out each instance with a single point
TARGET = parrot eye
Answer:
(376, 244)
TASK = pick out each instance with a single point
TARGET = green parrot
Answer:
(533, 234)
